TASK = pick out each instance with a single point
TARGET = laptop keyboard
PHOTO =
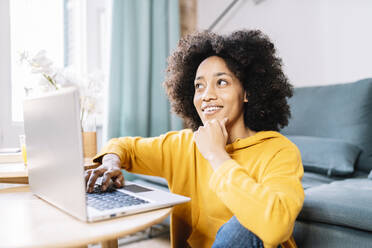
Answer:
(111, 200)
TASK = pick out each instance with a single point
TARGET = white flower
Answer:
(90, 86)
(41, 64)
(23, 56)
(67, 77)
(88, 104)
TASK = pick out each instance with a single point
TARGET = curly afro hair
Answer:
(250, 55)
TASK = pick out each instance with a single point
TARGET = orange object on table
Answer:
(89, 144)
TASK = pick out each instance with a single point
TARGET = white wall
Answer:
(320, 41)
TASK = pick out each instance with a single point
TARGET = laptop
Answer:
(56, 164)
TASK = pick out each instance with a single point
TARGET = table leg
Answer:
(110, 243)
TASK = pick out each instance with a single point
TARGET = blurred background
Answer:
(123, 46)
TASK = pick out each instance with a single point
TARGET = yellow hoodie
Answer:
(260, 184)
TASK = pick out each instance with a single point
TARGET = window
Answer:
(74, 33)
(34, 25)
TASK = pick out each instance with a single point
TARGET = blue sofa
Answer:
(332, 126)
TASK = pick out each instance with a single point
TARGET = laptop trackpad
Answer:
(136, 188)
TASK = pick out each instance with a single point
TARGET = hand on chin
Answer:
(211, 140)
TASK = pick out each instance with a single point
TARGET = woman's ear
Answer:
(245, 96)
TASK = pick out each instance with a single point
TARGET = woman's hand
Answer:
(211, 141)
(109, 169)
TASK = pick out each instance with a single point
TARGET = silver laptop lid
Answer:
(54, 150)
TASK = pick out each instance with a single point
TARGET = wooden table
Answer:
(17, 172)
(13, 173)
(28, 221)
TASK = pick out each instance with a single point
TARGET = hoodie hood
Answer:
(258, 138)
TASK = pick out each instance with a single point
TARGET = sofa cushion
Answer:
(344, 203)
(341, 111)
(327, 156)
(311, 179)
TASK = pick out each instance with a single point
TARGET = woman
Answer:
(243, 176)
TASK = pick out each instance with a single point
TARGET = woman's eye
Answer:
(222, 82)
(198, 86)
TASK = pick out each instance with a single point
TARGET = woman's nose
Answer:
(209, 94)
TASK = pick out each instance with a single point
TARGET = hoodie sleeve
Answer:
(149, 156)
(267, 208)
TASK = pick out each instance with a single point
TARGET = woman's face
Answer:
(218, 93)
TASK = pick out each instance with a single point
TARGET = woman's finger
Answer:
(87, 175)
(223, 126)
(119, 181)
(106, 180)
(216, 126)
(92, 179)
(113, 175)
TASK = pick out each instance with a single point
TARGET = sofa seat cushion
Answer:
(315, 234)
(344, 203)
(311, 179)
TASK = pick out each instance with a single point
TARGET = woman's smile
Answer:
(210, 110)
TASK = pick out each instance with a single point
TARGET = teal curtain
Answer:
(144, 32)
